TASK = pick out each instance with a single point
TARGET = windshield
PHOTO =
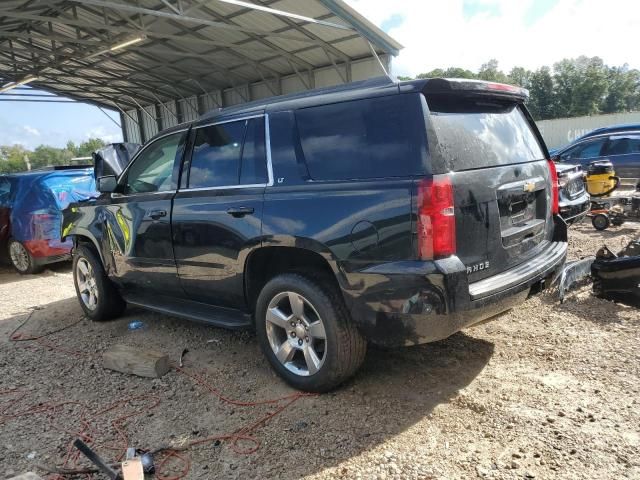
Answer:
(480, 133)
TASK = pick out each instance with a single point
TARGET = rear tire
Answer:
(98, 297)
(600, 221)
(306, 333)
(21, 259)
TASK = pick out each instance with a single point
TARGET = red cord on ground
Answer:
(88, 420)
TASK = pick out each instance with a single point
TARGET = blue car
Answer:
(620, 144)
(31, 205)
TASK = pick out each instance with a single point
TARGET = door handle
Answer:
(240, 211)
(157, 214)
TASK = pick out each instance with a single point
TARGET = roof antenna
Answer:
(375, 54)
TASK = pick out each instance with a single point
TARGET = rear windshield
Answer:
(480, 133)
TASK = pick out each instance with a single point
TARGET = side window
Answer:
(370, 138)
(584, 151)
(253, 169)
(623, 145)
(152, 170)
(215, 160)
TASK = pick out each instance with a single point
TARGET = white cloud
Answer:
(109, 135)
(32, 131)
(438, 34)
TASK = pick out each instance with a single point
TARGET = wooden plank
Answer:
(135, 361)
(132, 469)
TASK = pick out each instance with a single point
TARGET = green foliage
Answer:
(573, 87)
(16, 158)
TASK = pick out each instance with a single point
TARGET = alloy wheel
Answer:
(87, 286)
(296, 333)
(19, 256)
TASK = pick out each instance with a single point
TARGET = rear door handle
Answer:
(157, 214)
(240, 211)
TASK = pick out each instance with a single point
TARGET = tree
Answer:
(519, 76)
(85, 149)
(489, 71)
(542, 101)
(573, 87)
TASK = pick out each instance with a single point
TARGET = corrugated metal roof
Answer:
(183, 47)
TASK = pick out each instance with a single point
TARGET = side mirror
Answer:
(107, 184)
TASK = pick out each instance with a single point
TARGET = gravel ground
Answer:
(545, 391)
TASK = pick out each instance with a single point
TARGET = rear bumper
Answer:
(44, 252)
(409, 303)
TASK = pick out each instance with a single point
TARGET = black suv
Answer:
(383, 212)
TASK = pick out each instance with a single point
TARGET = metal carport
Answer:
(162, 62)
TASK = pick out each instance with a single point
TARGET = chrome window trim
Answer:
(223, 187)
(142, 149)
(222, 122)
(137, 194)
(267, 143)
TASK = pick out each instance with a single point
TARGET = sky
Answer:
(435, 34)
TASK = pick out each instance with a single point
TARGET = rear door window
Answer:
(584, 151)
(229, 154)
(478, 133)
(371, 138)
(215, 160)
(253, 167)
(623, 145)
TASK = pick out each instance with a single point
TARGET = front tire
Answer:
(21, 259)
(306, 333)
(97, 295)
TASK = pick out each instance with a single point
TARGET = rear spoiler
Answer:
(475, 88)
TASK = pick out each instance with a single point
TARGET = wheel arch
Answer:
(266, 262)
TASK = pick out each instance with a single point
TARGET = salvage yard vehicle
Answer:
(31, 205)
(574, 200)
(618, 144)
(395, 213)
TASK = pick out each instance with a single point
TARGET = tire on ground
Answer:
(109, 303)
(345, 346)
(600, 221)
(31, 265)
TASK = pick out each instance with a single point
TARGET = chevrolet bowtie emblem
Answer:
(529, 187)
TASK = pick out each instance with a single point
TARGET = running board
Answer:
(196, 311)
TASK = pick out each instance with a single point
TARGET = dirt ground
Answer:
(545, 391)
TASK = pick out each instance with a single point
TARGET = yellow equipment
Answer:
(601, 178)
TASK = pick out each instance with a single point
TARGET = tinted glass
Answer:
(152, 170)
(215, 161)
(253, 169)
(5, 189)
(583, 150)
(372, 138)
(623, 145)
(481, 133)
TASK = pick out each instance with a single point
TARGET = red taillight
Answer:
(436, 220)
(555, 208)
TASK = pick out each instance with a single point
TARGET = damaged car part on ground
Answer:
(31, 205)
(326, 220)
(617, 276)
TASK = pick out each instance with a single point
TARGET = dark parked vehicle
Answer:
(31, 205)
(611, 129)
(574, 200)
(620, 145)
(383, 212)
